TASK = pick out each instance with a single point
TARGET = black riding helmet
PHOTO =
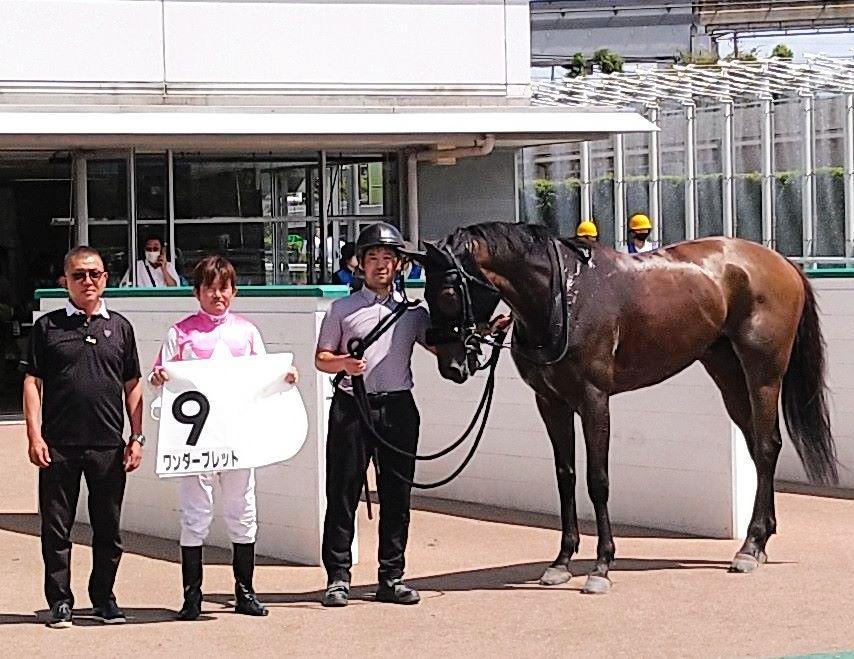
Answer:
(382, 234)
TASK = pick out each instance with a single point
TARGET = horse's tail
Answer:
(804, 400)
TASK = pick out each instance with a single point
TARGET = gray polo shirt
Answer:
(388, 367)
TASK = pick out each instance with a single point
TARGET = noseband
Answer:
(467, 328)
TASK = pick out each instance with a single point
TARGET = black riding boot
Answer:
(191, 573)
(244, 595)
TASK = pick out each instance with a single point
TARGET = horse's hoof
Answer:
(744, 563)
(596, 585)
(555, 575)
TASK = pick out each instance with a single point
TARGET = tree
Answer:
(782, 51)
(576, 67)
(608, 61)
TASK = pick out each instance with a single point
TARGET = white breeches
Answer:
(238, 506)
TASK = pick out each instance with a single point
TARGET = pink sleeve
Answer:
(169, 350)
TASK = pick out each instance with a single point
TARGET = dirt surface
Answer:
(477, 570)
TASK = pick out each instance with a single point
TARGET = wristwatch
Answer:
(139, 438)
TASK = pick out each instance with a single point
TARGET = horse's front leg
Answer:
(559, 419)
(596, 421)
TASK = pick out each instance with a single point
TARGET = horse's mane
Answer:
(503, 239)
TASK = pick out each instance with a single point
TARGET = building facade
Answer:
(270, 131)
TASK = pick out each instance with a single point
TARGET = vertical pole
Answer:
(323, 218)
(849, 174)
(807, 187)
(413, 232)
(81, 200)
(311, 175)
(619, 192)
(275, 213)
(690, 173)
(170, 195)
(654, 181)
(767, 146)
(728, 196)
(131, 198)
(586, 188)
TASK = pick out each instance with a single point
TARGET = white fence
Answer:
(677, 463)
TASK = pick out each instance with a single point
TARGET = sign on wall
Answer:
(220, 414)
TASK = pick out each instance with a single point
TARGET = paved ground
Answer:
(477, 569)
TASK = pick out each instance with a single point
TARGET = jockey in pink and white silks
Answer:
(214, 332)
(205, 336)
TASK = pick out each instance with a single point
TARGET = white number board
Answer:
(219, 414)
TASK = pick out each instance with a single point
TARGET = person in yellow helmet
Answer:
(587, 231)
(639, 229)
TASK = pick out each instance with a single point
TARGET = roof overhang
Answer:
(200, 129)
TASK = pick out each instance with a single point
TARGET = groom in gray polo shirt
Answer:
(388, 381)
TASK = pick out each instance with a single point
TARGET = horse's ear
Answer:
(433, 255)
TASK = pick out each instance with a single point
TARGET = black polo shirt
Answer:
(83, 366)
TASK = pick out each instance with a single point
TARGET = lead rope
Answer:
(356, 348)
(481, 413)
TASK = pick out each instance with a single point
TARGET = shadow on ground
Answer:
(83, 617)
(524, 576)
(159, 549)
(498, 515)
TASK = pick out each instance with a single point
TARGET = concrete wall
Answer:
(836, 302)
(291, 495)
(403, 47)
(474, 190)
(677, 463)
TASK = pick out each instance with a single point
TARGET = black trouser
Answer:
(59, 489)
(396, 419)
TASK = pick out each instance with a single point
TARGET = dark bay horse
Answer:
(589, 322)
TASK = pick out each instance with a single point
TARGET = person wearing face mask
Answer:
(154, 271)
(639, 229)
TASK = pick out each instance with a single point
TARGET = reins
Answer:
(356, 348)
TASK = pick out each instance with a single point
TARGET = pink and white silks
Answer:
(203, 336)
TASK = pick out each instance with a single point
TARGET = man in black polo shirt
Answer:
(82, 359)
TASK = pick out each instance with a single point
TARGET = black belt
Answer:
(388, 396)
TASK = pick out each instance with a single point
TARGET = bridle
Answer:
(469, 329)
(466, 330)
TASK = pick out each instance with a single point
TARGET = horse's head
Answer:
(461, 302)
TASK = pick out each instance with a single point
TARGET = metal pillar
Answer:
(728, 191)
(690, 173)
(323, 218)
(654, 181)
(808, 181)
(81, 200)
(586, 188)
(619, 192)
(412, 228)
(849, 173)
(170, 196)
(767, 147)
(132, 237)
(312, 174)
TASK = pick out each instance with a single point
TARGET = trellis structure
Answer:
(765, 81)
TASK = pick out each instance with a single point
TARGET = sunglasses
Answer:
(81, 275)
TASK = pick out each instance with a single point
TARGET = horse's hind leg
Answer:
(750, 386)
(559, 419)
(764, 375)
